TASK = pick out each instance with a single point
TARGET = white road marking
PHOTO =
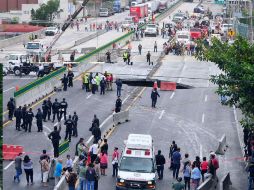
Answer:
(89, 96)
(201, 151)
(208, 82)
(205, 98)
(203, 118)
(162, 112)
(8, 89)
(126, 98)
(12, 162)
(47, 128)
(179, 80)
(172, 95)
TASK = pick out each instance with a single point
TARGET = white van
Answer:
(137, 168)
(183, 37)
(34, 48)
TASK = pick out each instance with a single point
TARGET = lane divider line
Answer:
(172, 95)
(162, 112)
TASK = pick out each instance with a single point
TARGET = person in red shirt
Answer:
(204, 167)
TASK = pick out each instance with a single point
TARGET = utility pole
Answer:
(251, 21)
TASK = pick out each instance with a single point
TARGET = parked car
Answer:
(51, 31)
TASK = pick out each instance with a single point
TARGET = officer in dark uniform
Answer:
(24, 123)
(55, 109)
(18, 115)
(148, 58)
(63, 108)
(49, 105)
(65, 82)
(118, 104)
(75, 124)
(39, 118)
(29, 119)
(11, 108)
(44, 110)
(154, 96)
(70, 78)
(69, 127)
(55, 138)
(96, 132)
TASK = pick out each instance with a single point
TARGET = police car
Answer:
(137, 164)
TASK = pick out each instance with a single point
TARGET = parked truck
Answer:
(119, 5)
(139, 11)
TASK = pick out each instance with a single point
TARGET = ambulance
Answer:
(137, 169)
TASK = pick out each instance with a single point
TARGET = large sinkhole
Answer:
(149, 83)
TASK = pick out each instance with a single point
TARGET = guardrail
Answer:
(209, 184)
(226, 182)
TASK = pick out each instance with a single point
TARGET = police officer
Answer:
(70, 78)
(63, 108)
(65, 82)
(96, 132)
(154, 96)
(18, 115)
(118, 104)
(44, 110)
(69, 126)
(49, 105)
(75, 124)
(29, 118)
(55, 138)
(11, 108)
(39, 117)
(24, 123)
(108, 54)
(55, 109)
(103, 85)
(148, 58)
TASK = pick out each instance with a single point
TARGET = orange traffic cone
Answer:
(17, 88)
(155, 85)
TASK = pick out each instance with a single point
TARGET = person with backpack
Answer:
(187, 174)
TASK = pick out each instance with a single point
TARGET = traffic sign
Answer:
(231, 33)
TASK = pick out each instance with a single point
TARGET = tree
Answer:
(236, 80)
(46, 12)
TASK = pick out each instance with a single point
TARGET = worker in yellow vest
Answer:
(85, 82)
(125, 56)
(98, 80)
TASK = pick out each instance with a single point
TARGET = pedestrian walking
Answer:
(69, 127)
(63, 109)
(139, 49)
(103, 85)
(155, 47)
(55, 138)
(187, 175)
(148, 58)
(43, 156)
(71, 179)
(90, 176)
(118, 87)
(215, 162)
(93, 151)
(69, 163)
(28, 168)
(45, 171)
(172, 149)
(160, 161)
(11, 108)
(179, 185)
(103, 163)
(154, 96)
(204, 168)
(49, 105)
(18, 115)
(75, 124)
(64, 82)
(58, 171)
(176, 158)
(44, 110)
(96, 132)
(104, 147)
(39, 118)
(118, 104)
(70, 78)
(195, 176)
(115, 159)
(18, 167)
(95, 121)
(29, 119)
(55, 109)
(82, 175)
(97, 173)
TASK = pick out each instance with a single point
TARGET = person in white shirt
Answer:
(93, 151)
(69, 163)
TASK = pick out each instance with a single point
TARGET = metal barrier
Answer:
(222, 146)
(226, 182)
(209, 184)
(121, 117)
(87, 38)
